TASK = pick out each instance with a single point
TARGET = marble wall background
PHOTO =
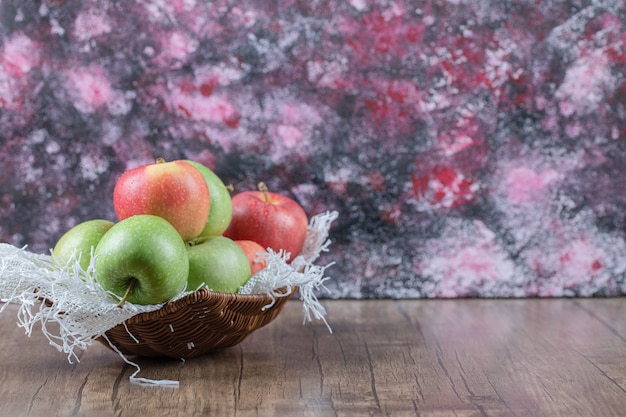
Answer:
(472, 148)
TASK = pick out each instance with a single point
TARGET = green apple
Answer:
(143, 260)
(218, 263)
(77, 242)
(221, 206)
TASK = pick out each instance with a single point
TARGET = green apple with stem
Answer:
(143, 260)
(78, 242)
(221, 210)
(218, 263)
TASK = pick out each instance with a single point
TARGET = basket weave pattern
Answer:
(195, 324)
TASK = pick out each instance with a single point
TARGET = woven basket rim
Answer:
(203, 294)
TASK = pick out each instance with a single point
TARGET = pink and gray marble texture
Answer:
(472, 148)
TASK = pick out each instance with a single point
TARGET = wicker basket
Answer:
(195, 324)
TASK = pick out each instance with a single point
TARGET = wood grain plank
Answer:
(428, 358)
(520, 357)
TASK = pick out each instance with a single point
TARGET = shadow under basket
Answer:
(195, 324)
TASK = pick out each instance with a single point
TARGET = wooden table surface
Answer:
(532, 357)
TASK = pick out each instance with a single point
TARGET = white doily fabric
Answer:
(73, 310)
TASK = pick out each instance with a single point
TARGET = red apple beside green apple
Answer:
(221, 206)
(272, 220)
(142, 260)
(175, 191)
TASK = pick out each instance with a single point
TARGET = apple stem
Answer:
(160, 160)
(263, 188)
(130, 289)
(197, 241)
(230, 188)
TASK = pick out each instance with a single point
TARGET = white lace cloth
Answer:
(80, 311)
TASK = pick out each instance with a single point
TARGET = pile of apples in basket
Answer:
(179, 228)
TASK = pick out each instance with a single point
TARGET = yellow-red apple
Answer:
(175, 191)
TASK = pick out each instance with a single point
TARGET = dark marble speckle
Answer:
(472, 148)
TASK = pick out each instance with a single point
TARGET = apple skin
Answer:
(221, 205)
(80, 240)
(272, 220)
(218, 263)
(147, 250)
(173, 190)
(252, 251)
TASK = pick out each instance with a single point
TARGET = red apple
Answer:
(272, 220)
(252, 251)
(175, 191)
